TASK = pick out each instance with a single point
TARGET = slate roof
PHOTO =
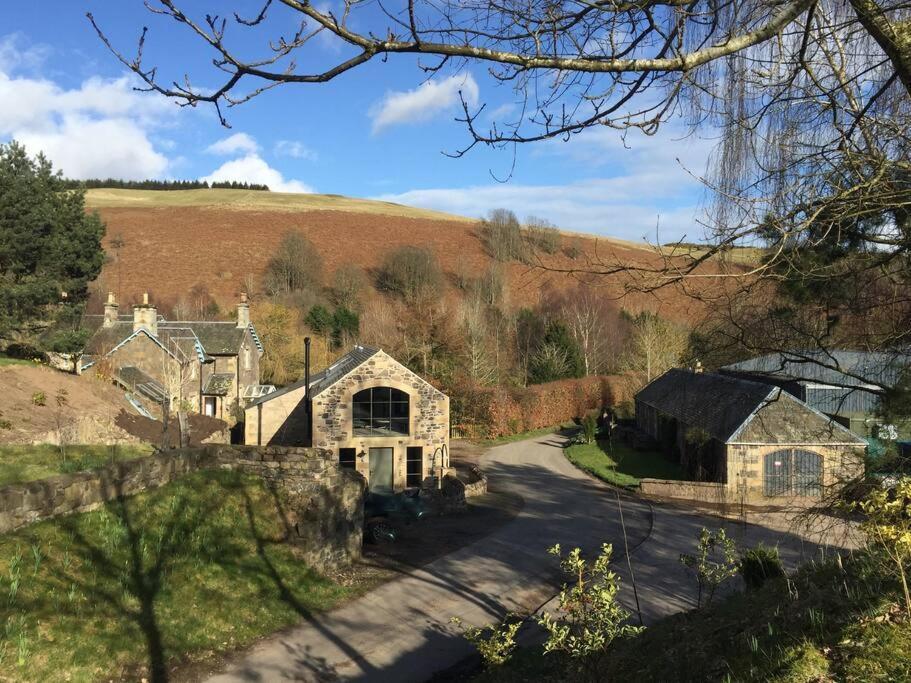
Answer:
(715, 403)
(838, 368)
(219, 384)
(740, 411)
(326, 378)
(192, 337)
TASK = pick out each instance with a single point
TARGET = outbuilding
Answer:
(757, 441)
(377, 416)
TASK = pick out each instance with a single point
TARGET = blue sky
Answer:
(378, 131)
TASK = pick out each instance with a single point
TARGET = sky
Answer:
(380, 131)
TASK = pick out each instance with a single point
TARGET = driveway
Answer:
(401, 630)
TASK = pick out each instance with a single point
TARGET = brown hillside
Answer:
(169, 249)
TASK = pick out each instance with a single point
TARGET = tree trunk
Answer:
(184, 428)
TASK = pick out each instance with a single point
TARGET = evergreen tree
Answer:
(50, 249)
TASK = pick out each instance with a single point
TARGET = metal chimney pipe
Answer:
(307, 372)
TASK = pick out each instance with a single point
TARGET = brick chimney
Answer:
(243, 311)
(145, 315)
(110, 311)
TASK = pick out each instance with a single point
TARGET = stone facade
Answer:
(324, 503)
(428, 418)
(283, 419)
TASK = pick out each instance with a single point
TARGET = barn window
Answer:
(793, 472)
(380, 411)
(414, 473)
(346, 458)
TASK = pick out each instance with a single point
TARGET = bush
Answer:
(760, 564)
(39, 399)
(589, 428)
(411, 272)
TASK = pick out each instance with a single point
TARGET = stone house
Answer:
(374, 414)
(758, 442)
(211, 367)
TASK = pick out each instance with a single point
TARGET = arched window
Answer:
(793, 472)
(380, 411)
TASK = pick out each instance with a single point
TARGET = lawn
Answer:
(6, 360)
(164, 578)
(27, 463)
(834, 621)
(622, 465)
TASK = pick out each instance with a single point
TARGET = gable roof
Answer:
(715, 403)
(200, 338)
(734, 410)
(326, 378)
(839, 368)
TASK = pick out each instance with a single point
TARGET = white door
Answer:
(209, 406)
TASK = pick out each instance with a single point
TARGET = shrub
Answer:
(714, 563)
(589, 428)
(589, 617)
(760, 564)
(39, 399)
(495, 643)
(411, 272)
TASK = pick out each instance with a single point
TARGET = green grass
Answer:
(521, 436)
(27, 463)
(834, 622)
(6, 360)
(167, 577)
(622, 465)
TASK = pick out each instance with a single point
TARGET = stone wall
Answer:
(324, 503)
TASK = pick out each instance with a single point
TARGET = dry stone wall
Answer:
(323, 503)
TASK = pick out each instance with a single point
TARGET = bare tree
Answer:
(656, 345)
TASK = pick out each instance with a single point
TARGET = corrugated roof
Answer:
(839, 368)
(715, 403)
(326, 378)
(737, 410)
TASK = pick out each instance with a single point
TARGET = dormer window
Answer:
(380, 411)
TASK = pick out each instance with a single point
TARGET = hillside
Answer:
(174, 240)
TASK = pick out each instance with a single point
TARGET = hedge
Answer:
(492, 412)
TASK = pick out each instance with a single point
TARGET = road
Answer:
(401, 631)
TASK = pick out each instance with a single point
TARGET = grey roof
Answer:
(326, 378)
(715, 403)
(219, 384)
(199, 337)
(839, 368)
(136, 380)
(737, 410)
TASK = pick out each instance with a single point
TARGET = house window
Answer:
(793, 472)
(380, 411)
(209, 405)
(346, 458)
(414, 463)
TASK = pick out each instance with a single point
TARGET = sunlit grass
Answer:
(127, 591)
(622, 465)
(27, 463)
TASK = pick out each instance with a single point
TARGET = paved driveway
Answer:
(401, 630)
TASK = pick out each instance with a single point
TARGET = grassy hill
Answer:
(175, 240)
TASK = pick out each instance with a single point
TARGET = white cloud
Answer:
(424, 102)
(295, 150)
(99, 129)
(14, 54)
(239, 142)
(646, 181)
(253, 169)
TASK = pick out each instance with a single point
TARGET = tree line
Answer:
(151, 184)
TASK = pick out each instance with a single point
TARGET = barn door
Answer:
(792, 472)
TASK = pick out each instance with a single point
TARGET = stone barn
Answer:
(756, 441)
(377, 417)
